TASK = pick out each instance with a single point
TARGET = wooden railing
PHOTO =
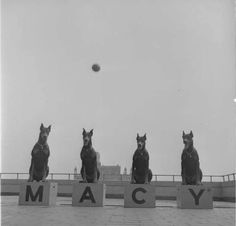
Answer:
(121, 177)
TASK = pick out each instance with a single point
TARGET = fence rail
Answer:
(121, 177)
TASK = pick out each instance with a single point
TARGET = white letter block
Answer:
(38, 193)
(194, 197)
(139, 195)
(88, 194)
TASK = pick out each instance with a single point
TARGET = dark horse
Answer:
(89, 170)
(39, 162)
(190, 166)
(141, 174)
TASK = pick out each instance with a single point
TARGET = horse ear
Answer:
(91, 132)
(41, 127)
(84, 131)
(183, 133)
(49, 128)
(145, 137)
(191, 133)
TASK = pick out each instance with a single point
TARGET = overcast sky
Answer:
(166, 66)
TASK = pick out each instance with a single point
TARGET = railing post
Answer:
(233, 176)
(68, 176)
(210, 178)
(173, 178)
(17, 176)
(223, 178)
(155, 177)
(128, 178)
(228, 178)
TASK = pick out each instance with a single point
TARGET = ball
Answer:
(96, 67)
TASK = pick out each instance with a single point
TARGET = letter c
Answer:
(134, 195)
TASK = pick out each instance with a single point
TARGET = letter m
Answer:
(29, 193)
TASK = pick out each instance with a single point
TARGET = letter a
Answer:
(87, 194)
(196, 197)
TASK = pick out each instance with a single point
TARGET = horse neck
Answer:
(190, 148)
(41, 142)
(89, 146)
(143, 149)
